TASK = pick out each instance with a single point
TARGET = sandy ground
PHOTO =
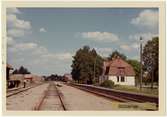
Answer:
(25, 100)
(73, 98)
(76, 99)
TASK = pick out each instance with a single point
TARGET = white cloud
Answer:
(64, 56)
(26, 46)
(42, 30)
(15, 32)
(135, 45)
(125, 47)
(34, 56)
(145, 37)
(39, 51)
(16, 27)
(23, 47)
(10, 41)
(130, 47)
(104, 51)
(10, 19)
(14, 22)
(13, 10)
(58, 56)
(100, 36)
(147, 18)
(22, 24)
(29, 54)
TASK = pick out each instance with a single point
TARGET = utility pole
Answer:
(95, 67)
(152, 74)
(141, 60)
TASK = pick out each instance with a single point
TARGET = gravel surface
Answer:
(26, 100)
(76, 99)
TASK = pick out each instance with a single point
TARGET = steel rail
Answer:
(40, 103)
(21, 90)
(61, 100)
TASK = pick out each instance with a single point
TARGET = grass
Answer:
(148, 91)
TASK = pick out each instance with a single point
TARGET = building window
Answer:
(121, 71)
(117, 78)
(107, 70)
(122, 79)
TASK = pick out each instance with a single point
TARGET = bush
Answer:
(107, 84)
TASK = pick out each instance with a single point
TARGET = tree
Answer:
(15, 71)
(86, 64)
(150, 58)
(21, 70)
(136, 66)
(115, 54)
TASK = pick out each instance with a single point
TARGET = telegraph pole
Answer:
(141, 59)
(95, 67)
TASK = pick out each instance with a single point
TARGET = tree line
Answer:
(84, 63)
(87, 65)
(21, 70)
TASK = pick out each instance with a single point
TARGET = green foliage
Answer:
(150, 57)
(107, 84)
(15, 71)
(84, 62)
(21, 70)
(134, 63)
(136, 66)
(145, 90)
(115, 54)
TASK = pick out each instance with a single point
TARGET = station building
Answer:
(119, 71)
(29, 78)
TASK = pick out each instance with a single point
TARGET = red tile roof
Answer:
(119, 67)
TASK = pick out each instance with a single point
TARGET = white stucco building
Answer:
(119, 71)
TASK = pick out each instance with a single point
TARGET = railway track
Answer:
(51, 100)
(19, 90)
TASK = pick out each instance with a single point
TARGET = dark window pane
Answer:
(107, 70)
(122, 79)
(117, 78)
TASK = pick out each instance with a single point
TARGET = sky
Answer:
(44, 40)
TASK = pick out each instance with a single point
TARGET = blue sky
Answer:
(45, 39)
